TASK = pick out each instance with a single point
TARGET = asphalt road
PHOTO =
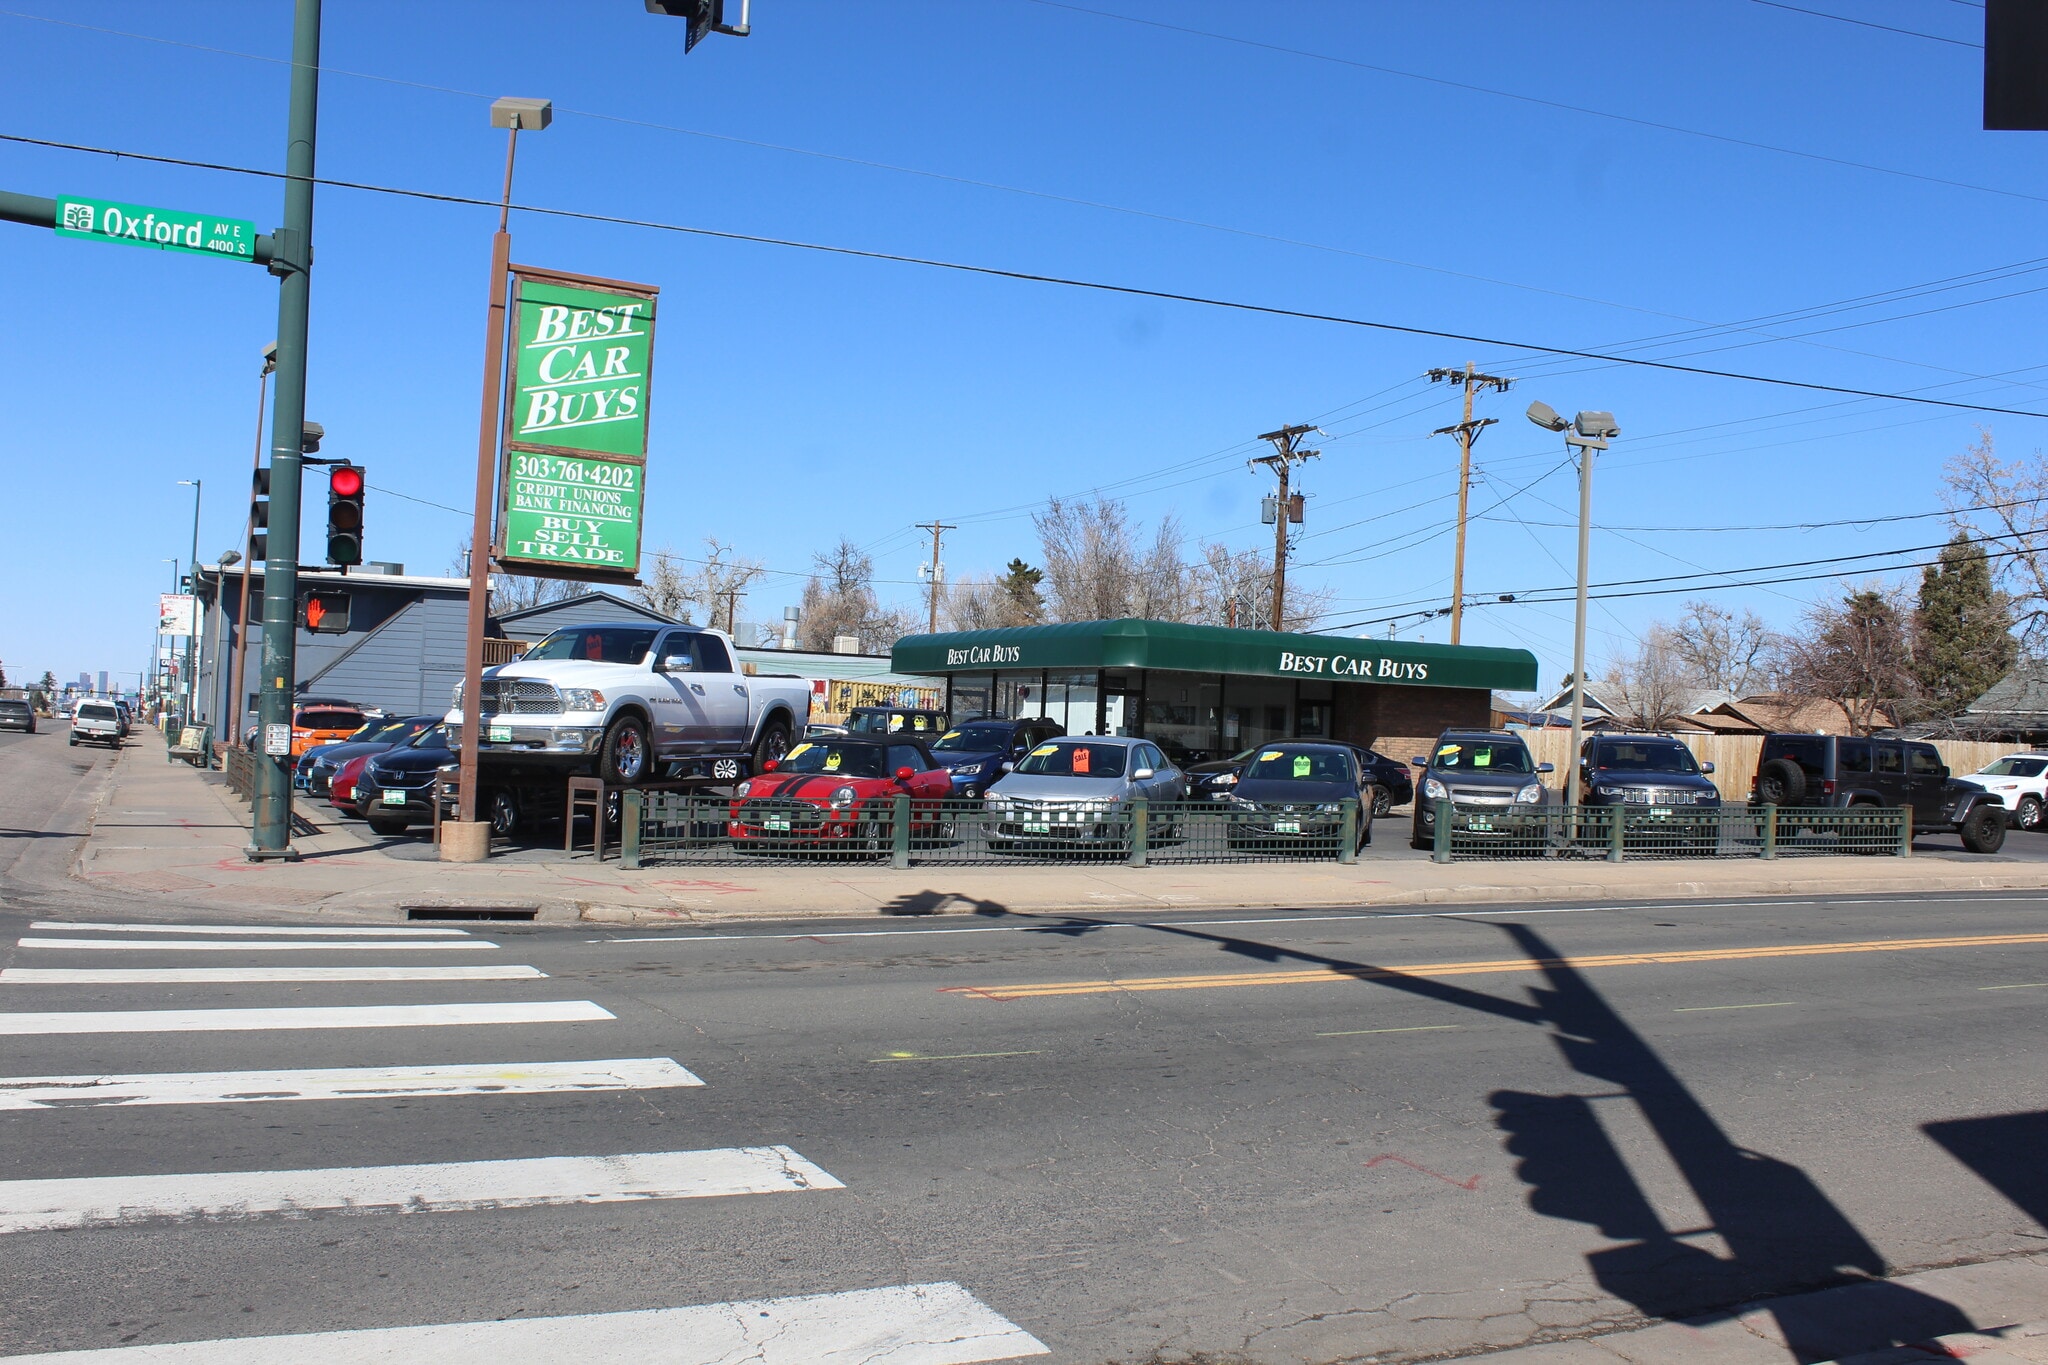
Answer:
(1265, 1138)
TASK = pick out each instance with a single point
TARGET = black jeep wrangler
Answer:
(1838, 770)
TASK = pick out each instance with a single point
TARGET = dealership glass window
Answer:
(1121, 699)
(1016, 695)
(970, 696)
(1183, 714)
(1257, 711)
(1070, 700)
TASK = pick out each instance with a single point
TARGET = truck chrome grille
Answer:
(520, 696)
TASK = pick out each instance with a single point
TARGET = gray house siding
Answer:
(409, 665)
(589, 609)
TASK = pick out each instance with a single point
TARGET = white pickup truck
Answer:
(627, 703)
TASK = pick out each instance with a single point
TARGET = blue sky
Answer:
(803, 396)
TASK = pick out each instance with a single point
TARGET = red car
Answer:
(341, 788)
(839, 792)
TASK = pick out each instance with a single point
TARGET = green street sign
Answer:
(106, 220)
(571, 514)
(580, 372)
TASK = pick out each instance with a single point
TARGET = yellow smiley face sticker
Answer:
(832, 762)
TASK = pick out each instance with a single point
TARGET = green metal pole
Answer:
(191, 654)
(1617, 828)
(291, 262)
(1440, 851)
(899, 832)
(1141, 830)
(1347, 834)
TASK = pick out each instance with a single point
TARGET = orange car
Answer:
(313, 725)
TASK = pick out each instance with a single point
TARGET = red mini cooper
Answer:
(838, 793)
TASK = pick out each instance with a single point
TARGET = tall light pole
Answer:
(1585, 433)
(249, 554)
(292, 262)
(466, 839)
(191, 691)
(228, 559)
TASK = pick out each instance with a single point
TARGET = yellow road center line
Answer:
(953, 1056)
(1702, 1009)
(1322, 975)
(1413, 1028)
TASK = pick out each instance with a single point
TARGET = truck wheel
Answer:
(623, 760)
(2028, 816)
(1983, 829)
(773, 744)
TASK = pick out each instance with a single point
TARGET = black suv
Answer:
(1838, 770)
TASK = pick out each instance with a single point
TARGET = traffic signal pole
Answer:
(291, 261)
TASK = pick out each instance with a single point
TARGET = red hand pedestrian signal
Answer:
(324, 613)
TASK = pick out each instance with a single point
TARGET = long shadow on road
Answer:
(1783, 1234)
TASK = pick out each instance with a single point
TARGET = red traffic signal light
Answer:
(345, 515)
(324, 613)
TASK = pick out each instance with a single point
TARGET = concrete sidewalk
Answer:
(170, 831)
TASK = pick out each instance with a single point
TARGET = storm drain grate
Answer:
(475, 912)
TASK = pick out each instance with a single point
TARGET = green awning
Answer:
(1133, 643)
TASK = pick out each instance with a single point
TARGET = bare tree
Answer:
(2007, 501)
(839, 599)
(695, 589)
(1650, 687)
(1238, 589)
(1717, 649)
(515, 592)
(665, 587)
(1857, 651)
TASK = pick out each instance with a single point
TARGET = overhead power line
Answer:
(1034, 277)
(1865, 23)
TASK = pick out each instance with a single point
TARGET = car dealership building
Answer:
(1203, 692)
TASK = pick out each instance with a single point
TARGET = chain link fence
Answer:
(1618, 833)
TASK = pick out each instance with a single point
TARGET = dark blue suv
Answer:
(977, 752)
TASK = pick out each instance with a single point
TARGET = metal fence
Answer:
(1616, 833)
(240, 766)
(902, 832)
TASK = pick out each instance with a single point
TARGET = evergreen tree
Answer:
(1962, 631)
(1023, 604)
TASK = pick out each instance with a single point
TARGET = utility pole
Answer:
(1467, 432)
(1287, 452)
(732, 606)
(938, 570)
(249, 555)
(292, 261)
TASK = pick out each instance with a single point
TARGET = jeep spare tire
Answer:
(622, 762)
(1781, 782)
(1983, 829)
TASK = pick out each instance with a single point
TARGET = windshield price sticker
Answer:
(1302, 764)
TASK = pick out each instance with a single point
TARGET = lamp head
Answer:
(270, 357)
(228, 557)
(1545, 416)
(1599, 424)
(525, 115)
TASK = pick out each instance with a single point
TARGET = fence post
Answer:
(1141, 829)
(1617, 827)
(899, 831)
(631, 808)
(1347, 833)
(1770, 831)
(1905, 831)
(1441, 852)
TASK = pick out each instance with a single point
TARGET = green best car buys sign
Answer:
(580, 377)
(572, 513)
(576, 425)
(163, 229)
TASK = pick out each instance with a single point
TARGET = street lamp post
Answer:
(249, 555)
(228, 559)
(466, 839)
(191, 691)
(1585, 433)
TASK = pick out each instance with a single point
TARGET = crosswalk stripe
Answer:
(915, 1324)
(299, 1017)
(183, 945)
(188, 976)
(231, 930)
(438, 1187)
(343, 1083)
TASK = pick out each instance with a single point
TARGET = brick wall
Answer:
(1373, 714)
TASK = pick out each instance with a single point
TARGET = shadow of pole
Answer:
(1782, 1233)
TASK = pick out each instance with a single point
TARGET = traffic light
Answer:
(324, 613)
(259, 514)
(345, 515)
